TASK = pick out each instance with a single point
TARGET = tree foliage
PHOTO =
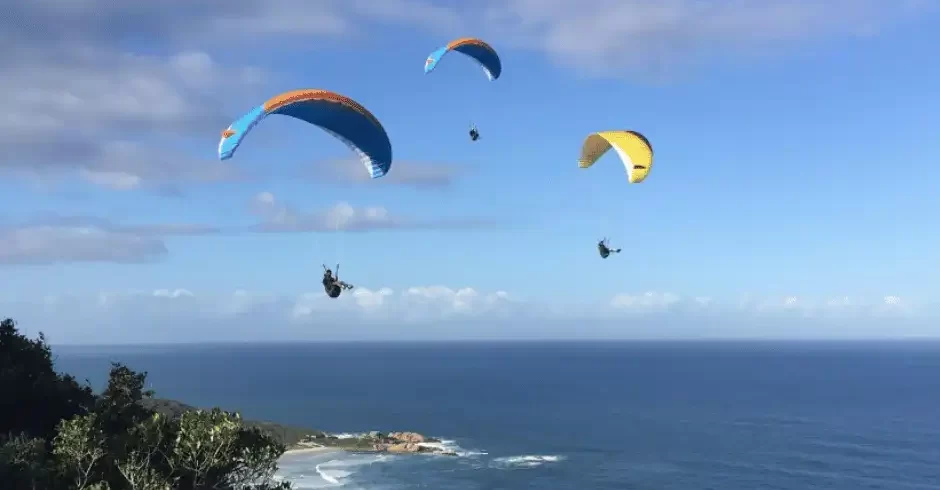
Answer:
(40, 396)
(55, 434)
(80, 448)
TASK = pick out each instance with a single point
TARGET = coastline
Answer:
(300, 440)
(375, 442)
(310, 450)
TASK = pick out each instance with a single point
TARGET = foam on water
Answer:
(452, 446)
(347, 435)
(525, 461)
(325, 470)
(334, 469)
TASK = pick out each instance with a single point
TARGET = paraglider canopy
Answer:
(336, 114)
(483, 53)
(634, 150)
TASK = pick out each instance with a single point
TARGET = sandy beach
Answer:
(308, 450)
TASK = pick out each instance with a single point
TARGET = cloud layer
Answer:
(105, 115)
(179, 315)
(614, 37)
(417, 175)
(61, 239)
(449, 313)
(840, 307)
(80, 101)
(84, 100)
(280, 217)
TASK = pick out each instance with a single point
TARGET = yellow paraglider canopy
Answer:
(634, 149)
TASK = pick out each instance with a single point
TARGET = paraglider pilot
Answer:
(474, 134)
(604, 249)
(331, 284)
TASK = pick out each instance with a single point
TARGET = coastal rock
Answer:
(412, 437)
(376, 441)
(412, 448)
(405, 447)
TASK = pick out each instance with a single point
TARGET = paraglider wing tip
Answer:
(376, 171)
(232, 135)
(225, 153)
(431, 62)
(489, 74)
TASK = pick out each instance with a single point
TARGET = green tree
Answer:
(213, 449)
(118, 413)
(80, 447)
(56, 435)
(25, 464)
(33, 397)
(145, 465)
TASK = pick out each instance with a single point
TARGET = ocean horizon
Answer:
(689, 415)
(740, 341)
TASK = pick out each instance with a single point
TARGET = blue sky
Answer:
(796, 149)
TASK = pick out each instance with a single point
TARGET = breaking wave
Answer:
(525, 461)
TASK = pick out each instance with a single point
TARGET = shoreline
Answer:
(372, 442)
(300, 440)
(311, 450)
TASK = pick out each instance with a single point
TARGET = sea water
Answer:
(579, 416)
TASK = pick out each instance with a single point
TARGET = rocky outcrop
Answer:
(375, 441)
(409, 443)
(413, 437)
(405, 447)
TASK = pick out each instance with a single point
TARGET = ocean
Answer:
(579, 416)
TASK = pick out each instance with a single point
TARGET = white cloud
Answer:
(342, 216)
(175, 293)
(74, 112)
(644, 302)
(791, 305)
(613, 36)
(415, 304)
(124, 165)
(60, 239)
(418, 175)
(441, 312)
(181, 315)
(79, 102)
(81, 239)
(76, 104)
(603, 37)
(54, 244)
(281, 217)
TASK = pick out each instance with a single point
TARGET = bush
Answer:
(56, 434)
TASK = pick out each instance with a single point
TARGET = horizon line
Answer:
(726, 340)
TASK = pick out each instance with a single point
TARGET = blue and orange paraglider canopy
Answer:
(336, 114)
(483, 53)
